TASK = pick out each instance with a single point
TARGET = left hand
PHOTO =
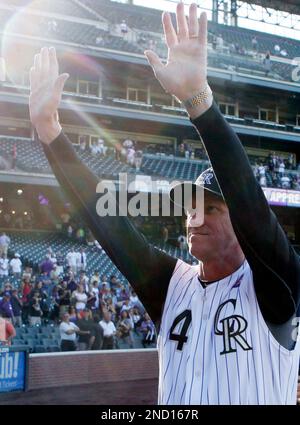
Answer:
(185, 73)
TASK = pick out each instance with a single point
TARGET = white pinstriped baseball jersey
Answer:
(215, 347)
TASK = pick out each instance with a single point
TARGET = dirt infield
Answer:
(141, 392)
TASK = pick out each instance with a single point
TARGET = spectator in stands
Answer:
(80, 298)
(73, 314)
(7, 331)
(64, 298)
(80, 235)
(35, 310)
(137, 319)
(281, 168)
(68, 331)
(276, 49)
(81, 260)
(283, 53)
(101, 147)
(110, 305)
(82, 143)
(55, 274)
(6, 309)
(71, 259)
(147, 329)
(214, 42)
(285, 182)
(290, 162)
(8, 288)
(97, 334)
(254, 43)
(84, 281)
(272, 161)
(130, 157)
(4, 265)
(123, 28)
(27, 273)
(113, 281)
(261, 170)
(220, 42)
(296, 183)
(94, 289)
(109, 331)
(94, 148)
(134, 300)
(86, 327)
(267, 63)
(4, 243)
(16, 265)
(26, 288)
(17, 305)
(95, 277)
(71, 284)
(70, 231)
(46, 265)
(124, 328)
(126, 306)
(138, 160)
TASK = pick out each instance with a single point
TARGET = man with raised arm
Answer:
(228, 332)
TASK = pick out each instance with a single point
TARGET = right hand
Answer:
(46, 87)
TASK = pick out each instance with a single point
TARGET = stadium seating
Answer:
(172, 167)
(135, 16)
(30, 154)
(146, 23)
(33, 248)
(66, 7)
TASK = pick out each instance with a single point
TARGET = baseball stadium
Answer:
(116, 286)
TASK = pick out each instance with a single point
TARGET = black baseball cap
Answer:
(207, 181)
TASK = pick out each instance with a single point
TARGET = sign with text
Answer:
(13, 370)
(282, 197)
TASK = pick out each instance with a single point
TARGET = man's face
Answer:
(209, 230)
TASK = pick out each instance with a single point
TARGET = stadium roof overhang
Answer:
(290, 6)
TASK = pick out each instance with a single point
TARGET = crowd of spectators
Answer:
(130, 153)
(278, 170)
(12, 219)
(96, 148)
(92, 312)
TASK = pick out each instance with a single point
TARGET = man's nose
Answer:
(196, 219)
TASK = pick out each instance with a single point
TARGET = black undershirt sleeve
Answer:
(146, 268)
(274, 262)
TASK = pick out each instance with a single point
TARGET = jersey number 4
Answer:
(181, 338)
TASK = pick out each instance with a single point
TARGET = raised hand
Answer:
(185, 73)
(46, 87)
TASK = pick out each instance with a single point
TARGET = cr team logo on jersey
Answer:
(232, 328)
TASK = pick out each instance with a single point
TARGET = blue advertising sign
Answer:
(13, 370)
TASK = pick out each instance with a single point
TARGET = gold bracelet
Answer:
(197, 99)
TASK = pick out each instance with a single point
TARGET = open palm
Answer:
(46, 86)
(185, 72)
